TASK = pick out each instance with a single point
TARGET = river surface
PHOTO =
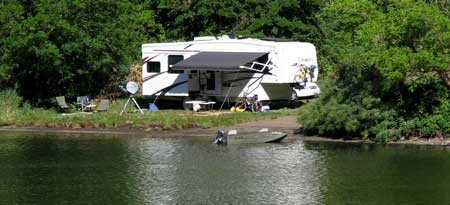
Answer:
(80, 169)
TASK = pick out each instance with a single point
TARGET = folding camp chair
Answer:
(103, 105)
(62, 105)
(82, 101)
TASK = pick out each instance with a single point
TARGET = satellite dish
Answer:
(132, 87)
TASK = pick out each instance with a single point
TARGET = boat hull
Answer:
(259, 137)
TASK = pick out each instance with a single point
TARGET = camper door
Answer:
(210, 82)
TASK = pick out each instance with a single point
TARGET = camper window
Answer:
(153, 67)
(174, 59)
(263, 59)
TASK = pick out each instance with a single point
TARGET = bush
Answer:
(436, 124)
(9, 104)
(340, 112)
(336, 113)
(349, 111)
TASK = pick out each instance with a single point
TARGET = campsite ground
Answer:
(165, 119)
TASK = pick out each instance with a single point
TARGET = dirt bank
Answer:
(283, 124)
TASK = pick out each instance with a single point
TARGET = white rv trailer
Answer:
(225, 68)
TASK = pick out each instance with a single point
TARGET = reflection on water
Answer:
(183, 171)
(132, 170)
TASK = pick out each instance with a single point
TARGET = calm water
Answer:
(50, 169)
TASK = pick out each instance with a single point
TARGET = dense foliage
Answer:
(392, 69)
(55, 47)
(384, 63)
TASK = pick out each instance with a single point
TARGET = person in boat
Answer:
(221, 138)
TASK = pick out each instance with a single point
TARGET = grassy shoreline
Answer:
(169, 119)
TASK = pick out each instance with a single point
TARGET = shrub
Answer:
(9, 104)
(340, 112)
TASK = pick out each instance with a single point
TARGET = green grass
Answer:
(163, 119)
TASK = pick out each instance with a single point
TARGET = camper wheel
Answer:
(294, 95)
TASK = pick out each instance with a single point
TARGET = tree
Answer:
(293, 19)
(391, 60)
(11, 13)
(74, 47)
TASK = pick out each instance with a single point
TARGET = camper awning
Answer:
(219, 61)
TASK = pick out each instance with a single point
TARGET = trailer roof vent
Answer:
(205, 38)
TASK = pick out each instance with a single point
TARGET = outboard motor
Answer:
(221, 138)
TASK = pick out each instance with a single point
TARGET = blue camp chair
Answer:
(82, 101)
